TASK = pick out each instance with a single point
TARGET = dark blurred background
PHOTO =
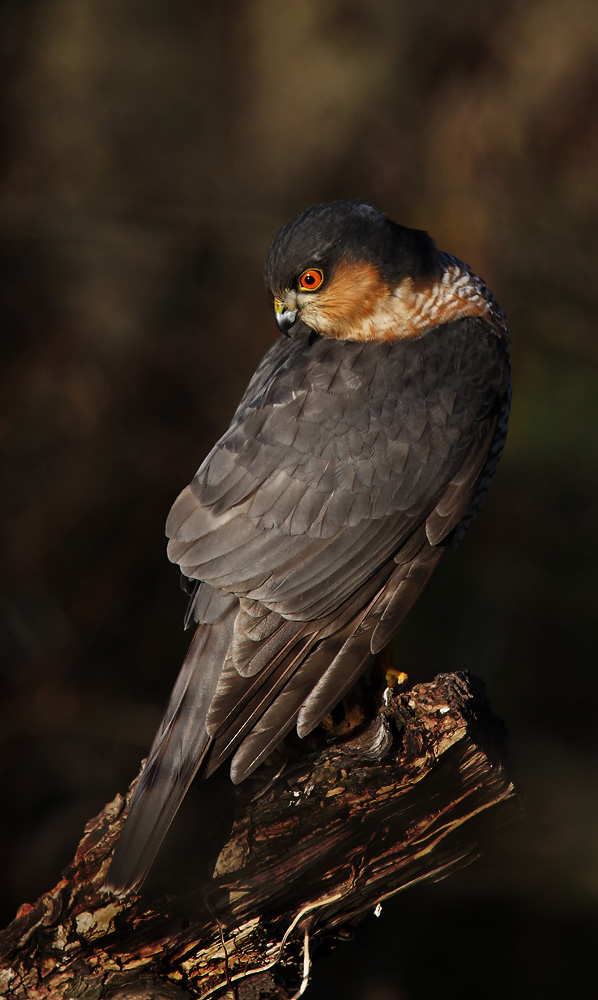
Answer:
(149, 152)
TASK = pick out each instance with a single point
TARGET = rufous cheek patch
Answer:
(359, 305)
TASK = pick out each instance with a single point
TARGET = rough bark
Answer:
(315, 845)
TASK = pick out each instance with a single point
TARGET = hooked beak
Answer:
(285, 317)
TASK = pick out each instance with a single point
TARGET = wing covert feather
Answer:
(333, 460)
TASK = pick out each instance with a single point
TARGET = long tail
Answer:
(177, 752)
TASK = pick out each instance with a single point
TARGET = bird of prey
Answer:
(363, 445)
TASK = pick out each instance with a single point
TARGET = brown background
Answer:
(149, 152)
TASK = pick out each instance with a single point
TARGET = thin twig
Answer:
(306, 967)
(270, 965)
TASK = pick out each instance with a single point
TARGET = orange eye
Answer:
(311, 279)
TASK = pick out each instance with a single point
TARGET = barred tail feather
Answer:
(176, 754)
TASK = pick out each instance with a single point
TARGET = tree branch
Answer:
(313, 847)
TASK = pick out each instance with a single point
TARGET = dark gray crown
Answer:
(343, 231)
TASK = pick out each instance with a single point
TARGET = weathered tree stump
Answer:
(312, 849)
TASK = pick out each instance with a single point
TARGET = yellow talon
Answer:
(395, 678)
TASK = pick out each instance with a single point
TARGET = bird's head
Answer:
(335, 265)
